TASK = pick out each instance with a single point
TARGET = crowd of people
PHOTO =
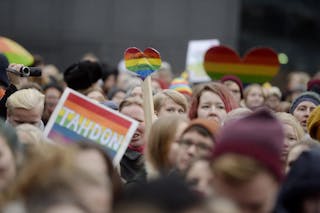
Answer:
(220, 146)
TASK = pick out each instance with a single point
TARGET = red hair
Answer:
(217, 88)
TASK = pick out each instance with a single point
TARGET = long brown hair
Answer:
(162, 135)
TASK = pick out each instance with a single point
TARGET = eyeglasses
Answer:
(201, 147)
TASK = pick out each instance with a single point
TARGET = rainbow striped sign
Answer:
(77, 118)
(142, 63)
(259, 65)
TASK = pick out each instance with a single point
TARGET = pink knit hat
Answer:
(259, 136)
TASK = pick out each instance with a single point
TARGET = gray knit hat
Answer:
(306, 96)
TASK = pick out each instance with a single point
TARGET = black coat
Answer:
(3, 109)
(131, 164)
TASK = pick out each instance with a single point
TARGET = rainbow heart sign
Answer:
(259, 65)
(142, 63)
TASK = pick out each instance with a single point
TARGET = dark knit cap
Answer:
(235, 79)
(306, 96)
(82, 75)
(314, 86)
(4, 63)
(258, 136)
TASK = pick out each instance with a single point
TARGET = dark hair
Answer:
(52, 85)
(81, 75)
(199, 129)
(108, 70)
(169, 194)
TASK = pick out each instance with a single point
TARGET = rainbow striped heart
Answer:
(259, 65)
(142, 63)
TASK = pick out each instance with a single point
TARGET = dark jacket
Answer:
(3, 109)
(131, 164)
(301, 182)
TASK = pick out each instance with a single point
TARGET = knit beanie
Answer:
(314, 86)
(181, 85)
(210, 125)
(4, 63)
(306, 96)
(235, 79)
(82, 75)
(313, 123)
(258, 136)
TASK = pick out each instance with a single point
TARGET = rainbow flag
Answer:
(142, 63)
(259, 65)
(76, 118)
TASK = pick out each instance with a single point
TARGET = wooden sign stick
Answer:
(148, 106)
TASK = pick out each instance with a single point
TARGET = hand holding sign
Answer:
(143, 64)
(259, 65)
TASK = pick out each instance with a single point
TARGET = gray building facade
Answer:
(63, 30)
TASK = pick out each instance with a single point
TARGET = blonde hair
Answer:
(161, 97)
(250, 87)
(303, 77)
(160, 139)
(273, 91)
(289, 119)
(236, 169)
(25, 99)
(30, 134)
(52, 170)
(237, 114)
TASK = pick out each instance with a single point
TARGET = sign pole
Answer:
(148, 106)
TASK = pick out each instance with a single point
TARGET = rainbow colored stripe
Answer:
(87, 110)
(258, 66)
(181, 85)
(142, 63)
(15, 52)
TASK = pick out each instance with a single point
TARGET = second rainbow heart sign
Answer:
(259, 65)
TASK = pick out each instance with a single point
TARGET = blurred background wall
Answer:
(62, 31)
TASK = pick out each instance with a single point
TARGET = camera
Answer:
(30, 71)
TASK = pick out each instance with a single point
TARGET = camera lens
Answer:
(25, 71)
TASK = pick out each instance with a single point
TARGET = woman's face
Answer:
(211, 106)
(169, 107)
(234, 89)
(302, 112)
(97, 197)
(200, 177)
(7, 164)
(193, 145)
(290, 139)
(255, 98)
